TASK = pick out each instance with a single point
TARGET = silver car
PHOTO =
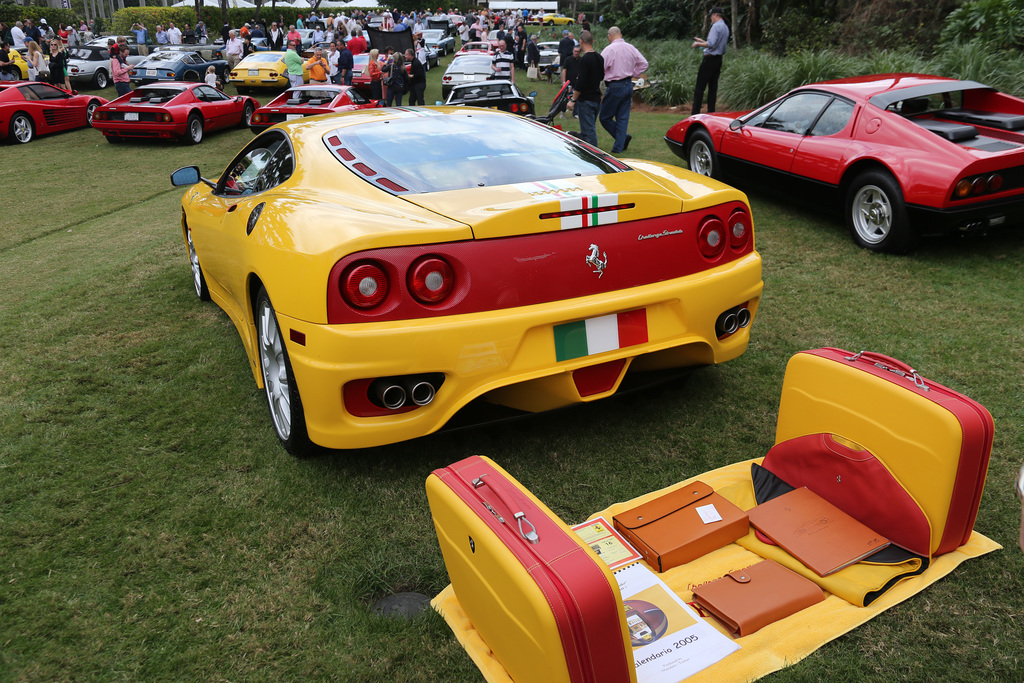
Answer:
(437, 39)
(469, 68)
(92, 65)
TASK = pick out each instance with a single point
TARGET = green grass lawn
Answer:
(151, 527)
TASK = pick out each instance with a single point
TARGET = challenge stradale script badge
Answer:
(595, 262)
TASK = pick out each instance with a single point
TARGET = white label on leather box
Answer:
(709, 514)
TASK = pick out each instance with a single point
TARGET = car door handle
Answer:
(232, 208)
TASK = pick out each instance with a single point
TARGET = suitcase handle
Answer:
(889, 363)
(520, 516)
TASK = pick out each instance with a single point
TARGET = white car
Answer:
(92, 65)
(467, 68)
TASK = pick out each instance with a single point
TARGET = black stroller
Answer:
(559, 105)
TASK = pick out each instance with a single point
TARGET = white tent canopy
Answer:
(515, 4)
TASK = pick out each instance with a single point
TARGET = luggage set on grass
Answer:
(899, 453)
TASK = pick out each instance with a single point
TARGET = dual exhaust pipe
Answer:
(411, 390)
(731, 321)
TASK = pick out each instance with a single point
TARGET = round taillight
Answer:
(739, 229)
(431, 280)
(364, 285)
(978, 186)
(167, 118)
(995, 182)
(712, 237)
(963, 188)
(256, 118)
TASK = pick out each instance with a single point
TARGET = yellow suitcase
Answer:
(545, 604)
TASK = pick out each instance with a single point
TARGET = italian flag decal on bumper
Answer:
(597, 335)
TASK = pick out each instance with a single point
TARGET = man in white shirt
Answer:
(173, 33)
(332, 61)
(18, 34)
(233, 50)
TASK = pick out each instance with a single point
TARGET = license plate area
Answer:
(131, 116)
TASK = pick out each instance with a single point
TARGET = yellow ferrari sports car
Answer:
(262, 70)
(390, 269)
(552, 19)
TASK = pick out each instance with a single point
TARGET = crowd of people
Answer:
(581, 65)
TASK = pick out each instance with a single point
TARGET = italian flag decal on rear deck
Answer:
(596, 335)
(593, 201)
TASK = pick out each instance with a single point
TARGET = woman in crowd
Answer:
(399, 79)
(373, 70)
(119, 69)
(59, 65)
(36, 63)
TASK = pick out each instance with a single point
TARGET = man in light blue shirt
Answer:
(711, 65)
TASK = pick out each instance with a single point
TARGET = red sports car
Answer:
(28, 109)
(172, 110)
(309, 100)
(906, 155)
(479, 47)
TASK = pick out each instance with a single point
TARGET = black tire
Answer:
(190, 77)
(280, 389)
(877, 215)
(198, 279)
(247, 113)
(21, 130)
(701, 156)
(100, 79)
(89, 110)
(193, 130)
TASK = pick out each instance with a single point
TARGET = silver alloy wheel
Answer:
(89, 111)
(193, 260)
(872, 214)
(21, 127)
(195, 130)
(700, 158)
(276, 381)
(101, 79)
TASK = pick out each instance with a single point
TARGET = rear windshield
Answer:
(460, 151)
(166, 57)
(262, 59)
(88, 55)
(156, 93)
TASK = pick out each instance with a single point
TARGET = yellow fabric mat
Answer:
(776, 646)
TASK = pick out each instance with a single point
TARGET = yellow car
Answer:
(389, 269)
(559, 19)
(262, 70)
(18, 66)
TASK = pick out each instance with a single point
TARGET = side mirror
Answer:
(438, 103)
(735, 124)
(532, 94)
(187, 175)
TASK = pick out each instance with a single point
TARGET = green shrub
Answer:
(751, 78)
(996, 23)
(797, 30)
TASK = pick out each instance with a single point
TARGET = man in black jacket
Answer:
(418, 80)
(586, 99)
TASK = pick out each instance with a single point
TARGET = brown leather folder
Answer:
(749, 599)
(815, 531)
(669, 530)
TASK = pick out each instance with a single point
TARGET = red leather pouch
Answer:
(855, 481)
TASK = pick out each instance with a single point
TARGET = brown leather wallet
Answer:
(749, 599)
(668, 531)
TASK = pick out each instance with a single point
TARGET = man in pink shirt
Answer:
(622, 63)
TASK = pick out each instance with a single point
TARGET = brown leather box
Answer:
(668, 531)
